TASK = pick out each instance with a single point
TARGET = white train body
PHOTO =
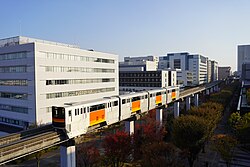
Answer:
(77, 118)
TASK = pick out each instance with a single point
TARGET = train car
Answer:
(157, 98)
(173, 93)
(75, 119)
(133, 103)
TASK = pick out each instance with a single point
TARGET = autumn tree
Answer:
(147, 132)
(88, 155)
(161, 154)
(117, 148)
(189, 133)
(224, 144)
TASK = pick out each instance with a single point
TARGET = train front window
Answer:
(70, 113)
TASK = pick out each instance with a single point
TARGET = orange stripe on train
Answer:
(97, 117)
(136, 105)
(59, 120)
(158, 99)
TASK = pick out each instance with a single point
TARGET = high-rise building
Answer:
(243, 56)
(224, 72)
(197, 64)
(214, 70)
(37, 74)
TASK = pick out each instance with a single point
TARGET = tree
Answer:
(241, 126)
(189, 133)
(146, 133)
(117, 148)
(161, 154)
(224, 145)
(88, 155)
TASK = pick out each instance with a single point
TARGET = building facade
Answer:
(144, 63)
(243, 56)
(146, 80)
(214, 71)
(37, 74)
(224, 72)
(196, 64)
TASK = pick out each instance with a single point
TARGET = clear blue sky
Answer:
(212, 28)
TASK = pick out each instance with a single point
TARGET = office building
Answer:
(243, 56)
(144, 63)
(146, 80)
(196, 64)
(37, 74)
(224, 72)
(214, 71)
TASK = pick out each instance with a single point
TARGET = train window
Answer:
(158, 93)
(142, 97)
(168, 91)
(128, 100)
(146, 96)
(70, 113)
(151, 95)
(81, 110)
(78, 111)
(97, 107)
(135, 98)
(123, 101)
(84, 110)
(115, 103)
(75, 111)
(173, 90)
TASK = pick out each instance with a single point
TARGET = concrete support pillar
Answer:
(68, 154)
(188, 100)
(176, 109)
(211, 90)
(130, 126)
(159, 116)
(196, 99)
(207, 92)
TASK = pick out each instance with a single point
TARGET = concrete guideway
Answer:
(18, 145)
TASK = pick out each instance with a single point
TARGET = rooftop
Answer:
(18, 40)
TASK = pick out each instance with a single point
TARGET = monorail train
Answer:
(77, 118)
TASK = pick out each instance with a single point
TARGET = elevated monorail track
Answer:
(27, 142)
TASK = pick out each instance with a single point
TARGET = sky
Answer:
(212, 28)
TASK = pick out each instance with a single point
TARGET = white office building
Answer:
(196, 64)
(144, 63)
(214, 71)
(37, 74)
(243, 56)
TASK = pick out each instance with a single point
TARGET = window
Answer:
(13, 82)
(78, 93)
(135, 99)
(21, 96)
(13, 69)
(115, 103)
(123, 101)
(70, 113)
(177, 64)
(12, 56)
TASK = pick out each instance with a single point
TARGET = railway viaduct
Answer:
(21, 144)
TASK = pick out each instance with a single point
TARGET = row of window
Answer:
(141, 84)
(94, 108)
(21, 96)
(77, 81)
(13, 82)
(11, 56)
(13, 69)
(77, 69)
(140, 75)
(61, 56)
(14, 108)
(13, 121)
(140, 79)
(78, 93)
